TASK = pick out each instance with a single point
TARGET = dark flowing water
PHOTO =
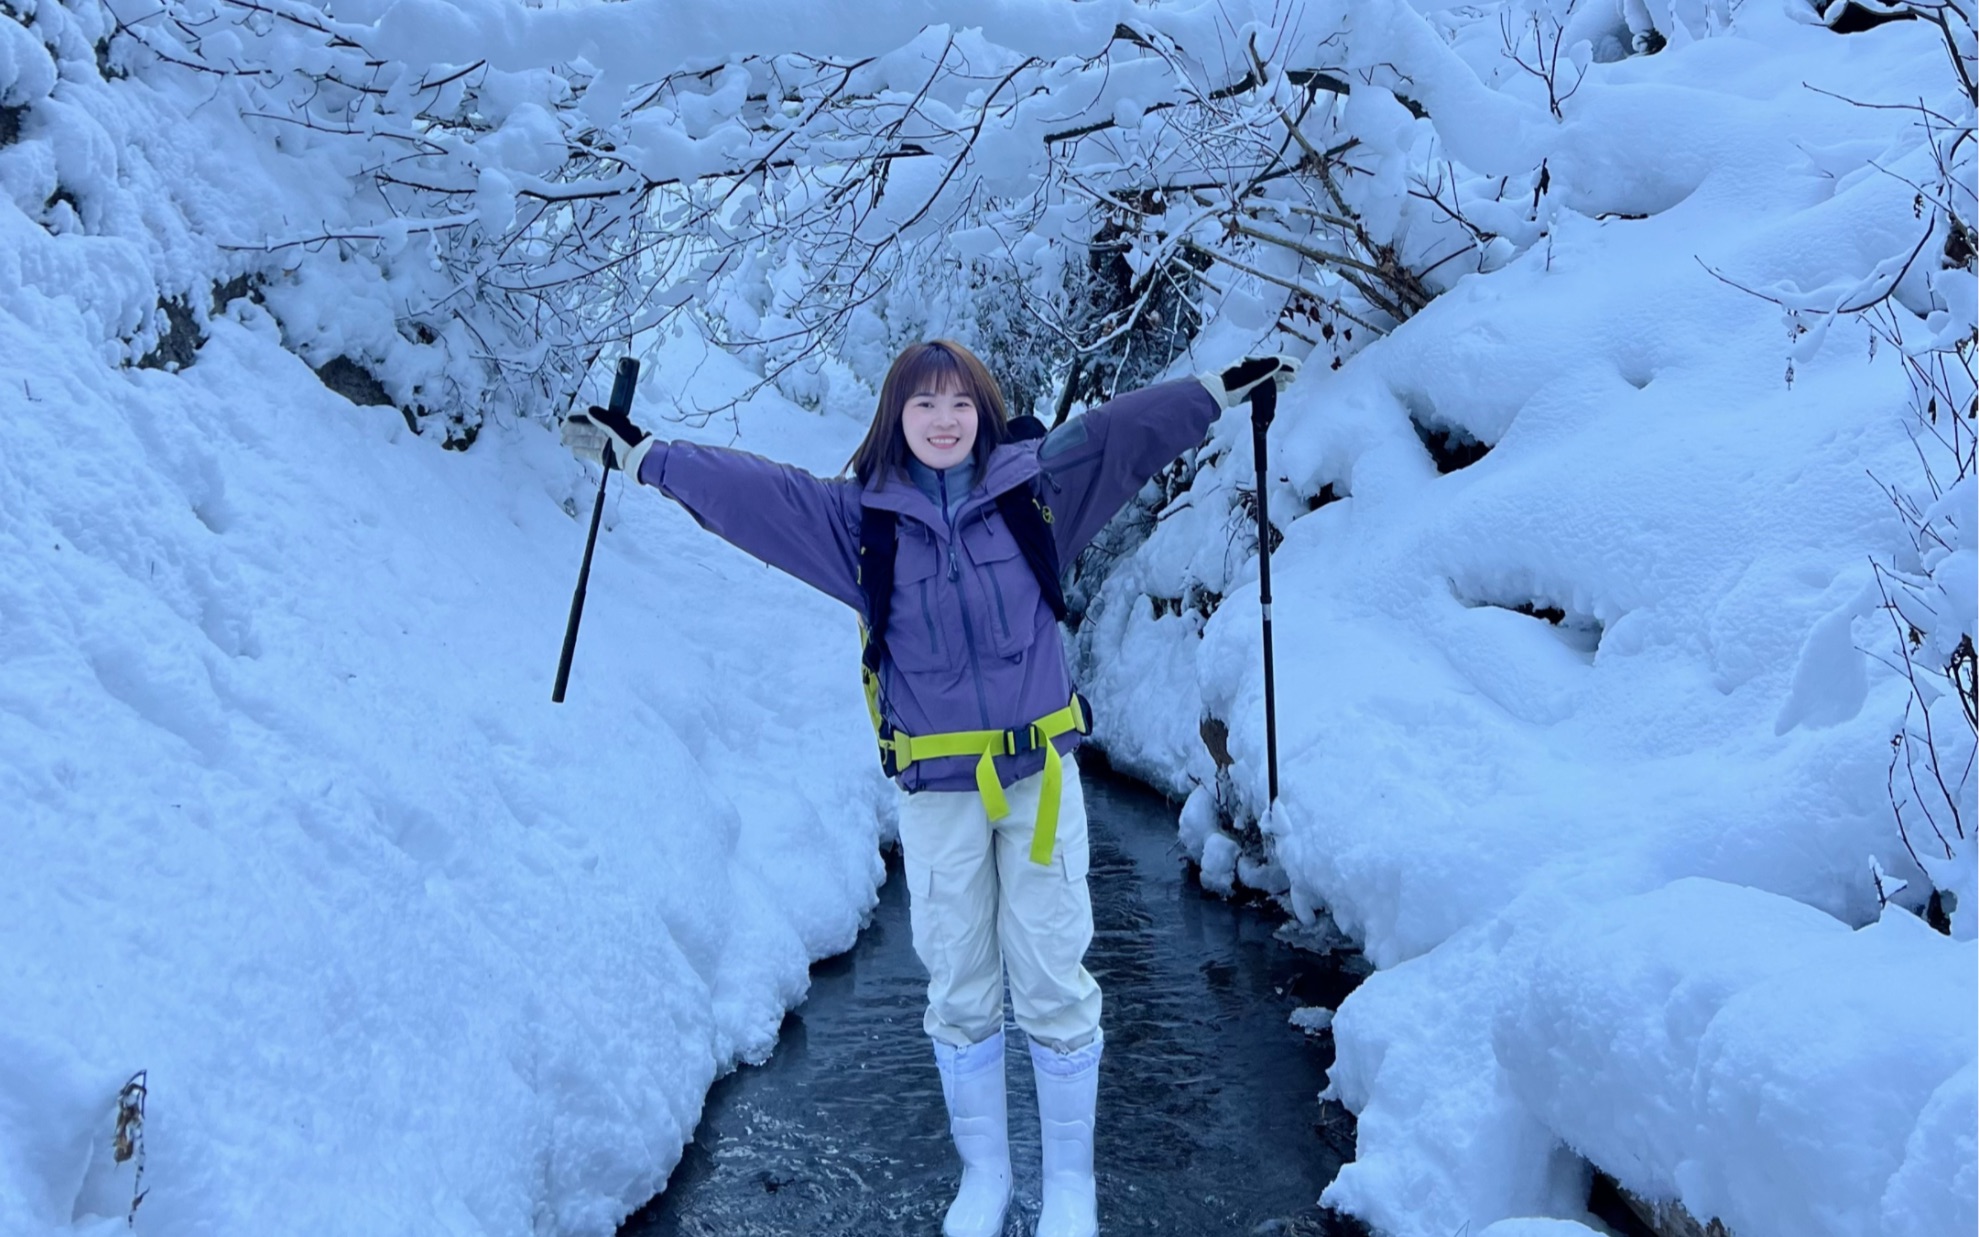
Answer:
(1209, 1121)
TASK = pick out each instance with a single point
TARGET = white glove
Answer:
(1233, 386)
(589, 433)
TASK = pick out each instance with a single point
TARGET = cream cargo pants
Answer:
(979, 905)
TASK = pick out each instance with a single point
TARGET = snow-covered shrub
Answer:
(1636, 643)
(1918, 299)
(1929, 583)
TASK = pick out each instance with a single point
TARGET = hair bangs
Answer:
(936, 371)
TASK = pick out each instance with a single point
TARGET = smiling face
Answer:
(940, 426)
(939, 405)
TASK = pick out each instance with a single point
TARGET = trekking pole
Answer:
(1264, 405)
(628, 378)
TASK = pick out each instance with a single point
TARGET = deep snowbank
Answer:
(292, 825)
(1468, 785)
(1711, 1041)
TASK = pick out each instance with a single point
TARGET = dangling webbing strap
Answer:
(898, 750)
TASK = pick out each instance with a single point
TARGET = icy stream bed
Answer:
(1210, 1121)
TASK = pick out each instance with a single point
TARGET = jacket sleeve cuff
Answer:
(1213, 383)
(647, 462)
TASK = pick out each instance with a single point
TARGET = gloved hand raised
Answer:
(588, 434)
(1233, 386)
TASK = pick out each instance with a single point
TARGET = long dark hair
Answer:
(933, 365)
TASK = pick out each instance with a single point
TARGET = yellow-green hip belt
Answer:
(898, 750)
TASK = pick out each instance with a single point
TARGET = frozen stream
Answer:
(1208, 1122)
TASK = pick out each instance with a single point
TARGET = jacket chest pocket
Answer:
(918, 637)
(1010, 588)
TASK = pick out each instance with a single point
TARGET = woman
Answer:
(968, 664)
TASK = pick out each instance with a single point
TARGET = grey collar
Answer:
(959, 480)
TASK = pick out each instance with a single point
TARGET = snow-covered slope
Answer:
(1472, 790)
(291, 825)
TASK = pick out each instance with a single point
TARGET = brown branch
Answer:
(1314, 80)
(1339, 261)
(1287, 284)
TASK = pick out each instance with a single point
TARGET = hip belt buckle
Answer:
(1024, 739)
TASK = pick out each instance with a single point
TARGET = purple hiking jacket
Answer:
(971, 643)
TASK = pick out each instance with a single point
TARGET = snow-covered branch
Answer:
(1059, 203)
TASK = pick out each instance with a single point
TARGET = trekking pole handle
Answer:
(623, 385)
(1264, 405)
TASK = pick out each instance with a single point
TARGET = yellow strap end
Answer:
(1045, 836)
(995, 805)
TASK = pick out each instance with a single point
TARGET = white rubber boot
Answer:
(1068, 1093)
(972, 1084)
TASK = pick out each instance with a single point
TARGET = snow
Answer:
(292, 825)
(1746, 1053)
(399, 947)
(1312, 1019)
(1616, 870)
(1536, 1226)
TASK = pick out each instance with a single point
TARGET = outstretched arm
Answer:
(784, 516)
(1094, 463)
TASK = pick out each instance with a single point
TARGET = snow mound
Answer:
(294, 829)
(1751, 1057)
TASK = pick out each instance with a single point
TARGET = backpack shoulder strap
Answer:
(879, 534)
(1029, 518)
(1024, 428)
